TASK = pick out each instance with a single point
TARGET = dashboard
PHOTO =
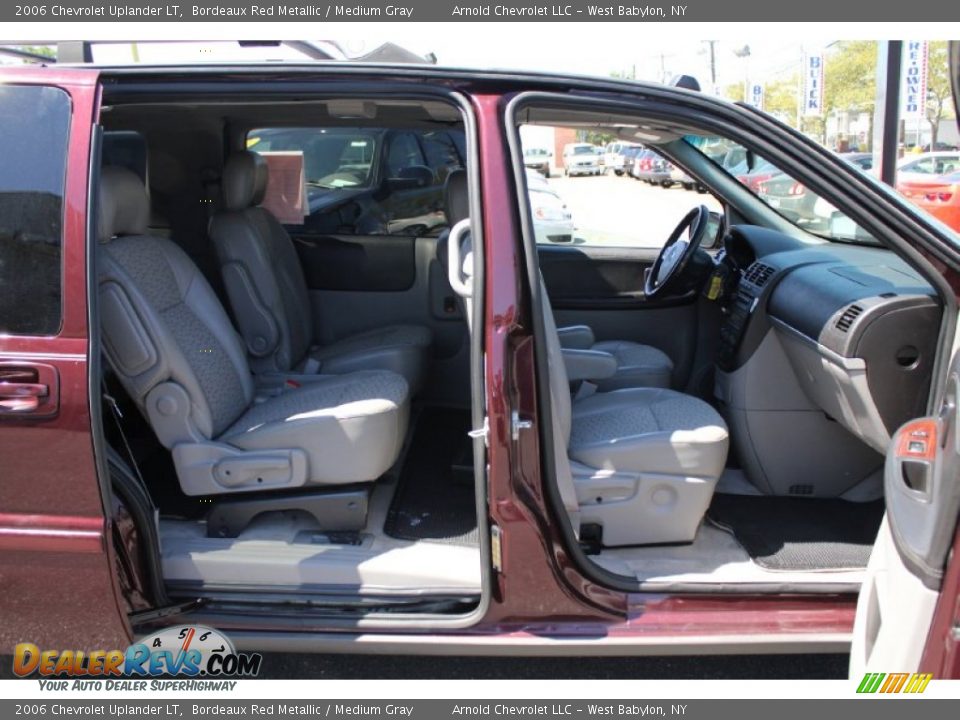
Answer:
(857, 325)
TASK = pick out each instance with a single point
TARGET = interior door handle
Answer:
(17, 397)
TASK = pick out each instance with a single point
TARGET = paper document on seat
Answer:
(286, 195)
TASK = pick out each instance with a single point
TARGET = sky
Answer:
(547, 47)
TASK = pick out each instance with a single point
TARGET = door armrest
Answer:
(588, 364)
(576, 337)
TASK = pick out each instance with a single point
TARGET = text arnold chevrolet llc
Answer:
(523, 710)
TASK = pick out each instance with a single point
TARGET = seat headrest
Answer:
(124, 206)
(456, 198)
(244, 180)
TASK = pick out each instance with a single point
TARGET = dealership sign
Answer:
(913, 89)
(813, 85)
(755, 95)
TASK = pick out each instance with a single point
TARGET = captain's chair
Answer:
(179, 359)
(642, 463)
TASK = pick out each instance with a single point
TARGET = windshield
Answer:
(583, 150)
(332, 158)
(780, 191)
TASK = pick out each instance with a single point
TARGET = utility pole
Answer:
(713, 64)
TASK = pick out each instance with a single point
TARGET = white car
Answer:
(552, 221)
(581, 159)
(928, 165)
(539, 159)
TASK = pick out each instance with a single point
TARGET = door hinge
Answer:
(516, 425)
(483, 432)
(496, 548)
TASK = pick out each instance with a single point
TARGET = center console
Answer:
(745, 301)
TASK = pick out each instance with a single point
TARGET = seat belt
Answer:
(118, 420)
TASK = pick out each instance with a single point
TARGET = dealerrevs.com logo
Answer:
(187, 651)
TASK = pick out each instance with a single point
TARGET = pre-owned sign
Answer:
(913, 90)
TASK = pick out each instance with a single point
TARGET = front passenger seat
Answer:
(640, 464)
(176, 354)
(270, 300)
(636, 365)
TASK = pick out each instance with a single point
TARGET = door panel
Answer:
(603, 288)
(906, 568)
(53, 528)
(364, 263)
(428, 301)
(578, 277)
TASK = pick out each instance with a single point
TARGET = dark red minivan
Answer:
(279, 354)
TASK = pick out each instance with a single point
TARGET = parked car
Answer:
(552, 220)
(539, 159)
(581, 159)
(748, 168)
(861, 160)
(616, 155)
(205, 413)
(346, 168)
(927, 165)
(646, 166)
(790, 198)
(623, 161)
(939, 196)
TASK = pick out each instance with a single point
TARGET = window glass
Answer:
(780, 190)
(404, 153)
(369, 181)
(34, 124)
(442, 155)
(628, 197)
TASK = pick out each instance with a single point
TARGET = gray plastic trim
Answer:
(588, 364)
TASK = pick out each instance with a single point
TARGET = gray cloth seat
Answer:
(176, 354)
(269, 297)
(641, 463)
(637, 365)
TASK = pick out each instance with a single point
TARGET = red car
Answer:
(938, 196)
(224, 401)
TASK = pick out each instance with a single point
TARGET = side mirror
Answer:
(842, 227)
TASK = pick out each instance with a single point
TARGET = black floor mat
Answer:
(798, 533)
(432, 502)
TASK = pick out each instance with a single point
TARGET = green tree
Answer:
(850, 81)
(779, 97)
(734, 92)
(939, 94)
(44, 50)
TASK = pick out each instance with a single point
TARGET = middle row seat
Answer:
(174, 351)
(270, 300)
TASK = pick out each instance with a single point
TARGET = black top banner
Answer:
(455, 10)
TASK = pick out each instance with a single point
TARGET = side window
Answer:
(442, 155)
(359, 181)
(34, 124)
(404, 153)
(634, 201)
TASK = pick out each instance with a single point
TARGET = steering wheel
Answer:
(675, 255)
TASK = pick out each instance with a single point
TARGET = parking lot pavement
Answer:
(611, 210)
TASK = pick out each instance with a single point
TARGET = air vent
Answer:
(758, 274)
(848, 316)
